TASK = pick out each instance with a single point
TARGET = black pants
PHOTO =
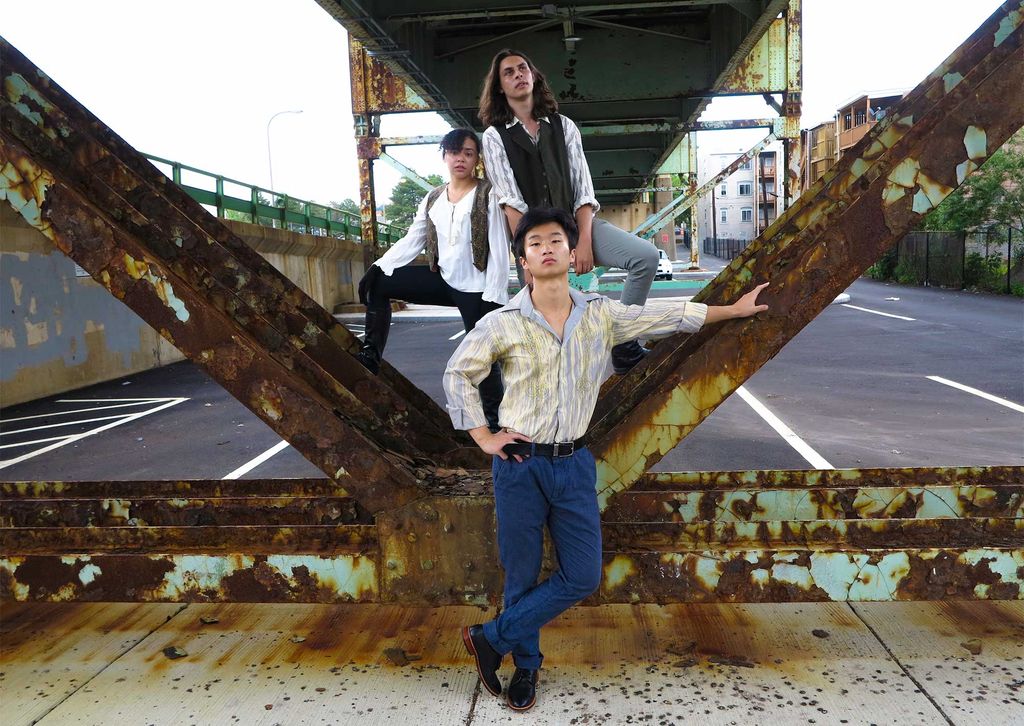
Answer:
(421, 286)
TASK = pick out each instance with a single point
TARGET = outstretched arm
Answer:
(742, 308)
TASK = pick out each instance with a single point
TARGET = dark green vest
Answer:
(477, 225)
(542, 169)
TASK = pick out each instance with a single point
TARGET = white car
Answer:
(664, 267)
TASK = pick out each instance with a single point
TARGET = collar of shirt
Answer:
(523, 304)
(515, 121)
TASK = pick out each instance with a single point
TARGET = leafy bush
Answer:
(884, 268)
(905, 274)
(1017, 289)
(985, 273)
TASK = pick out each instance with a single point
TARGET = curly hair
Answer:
(494, 108)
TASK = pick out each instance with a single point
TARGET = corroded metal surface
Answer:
(903, 168)
(190, 578)
(376, 88)
(78, 148)
(260, 538)
(783, 575)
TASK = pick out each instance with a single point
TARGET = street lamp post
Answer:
(270, 160)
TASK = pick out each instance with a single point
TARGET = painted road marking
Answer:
(976, 392)
(253, 463)
(63, 423)
(135, 402)
(457, 335)
(877, 312)
(802, 447)
(72, 438)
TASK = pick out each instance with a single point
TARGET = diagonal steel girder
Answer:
(217, 300)
(942, 131)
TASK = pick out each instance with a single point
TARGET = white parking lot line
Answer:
(876, 312)
(253, 463)
(63, 423)
(813, 457)
(457, 335)
(135, 402)
(65, 440)
(976, 392)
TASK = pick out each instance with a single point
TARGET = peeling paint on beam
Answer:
(755, 575)
(189, 578)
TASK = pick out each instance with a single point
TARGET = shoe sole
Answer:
(468, 640)
(527, 707)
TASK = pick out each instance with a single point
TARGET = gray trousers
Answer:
(614, 247)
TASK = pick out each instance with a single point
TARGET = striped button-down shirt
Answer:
(499, 170)
(551, 384)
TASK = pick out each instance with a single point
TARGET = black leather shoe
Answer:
(522, 690)
(627, 355)
(488, 660)
(370, 358)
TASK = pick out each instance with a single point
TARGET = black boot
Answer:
(488, 660)
(492, 390)
(378, 325)
(627, 355)
(522, 690)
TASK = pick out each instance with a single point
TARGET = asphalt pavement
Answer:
(851, 390)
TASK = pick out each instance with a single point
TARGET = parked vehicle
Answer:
(664, 267)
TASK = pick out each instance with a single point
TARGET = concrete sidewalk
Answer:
(831, 663)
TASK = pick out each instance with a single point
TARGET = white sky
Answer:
(197, 81)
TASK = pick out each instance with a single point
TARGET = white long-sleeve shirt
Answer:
(454, 246)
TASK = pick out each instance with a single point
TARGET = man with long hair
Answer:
(534, 158)
(552, 343)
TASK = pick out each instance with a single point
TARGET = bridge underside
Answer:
(405, 515)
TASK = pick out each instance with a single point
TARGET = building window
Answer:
(847, 121)
(862, 117)
(745, 189)
(724, 216)
(723, 189)
(746, 214)
(745, 166)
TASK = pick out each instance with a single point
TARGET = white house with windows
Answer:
(746, 201)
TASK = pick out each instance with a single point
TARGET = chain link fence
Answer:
(990, 259)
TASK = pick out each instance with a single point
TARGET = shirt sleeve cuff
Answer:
(465, 419)
(592, 201)
(694, 315)
(517, 204)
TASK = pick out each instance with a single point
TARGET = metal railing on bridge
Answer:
(257, 205)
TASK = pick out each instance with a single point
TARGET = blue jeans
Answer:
(561, 493)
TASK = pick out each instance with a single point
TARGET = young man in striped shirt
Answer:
(552, 343)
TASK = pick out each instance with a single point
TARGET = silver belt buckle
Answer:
(565, 448)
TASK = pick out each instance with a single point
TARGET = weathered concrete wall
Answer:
(59, 332)
(626, 216)
(326, 269)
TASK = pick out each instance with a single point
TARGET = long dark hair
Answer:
(494, 107)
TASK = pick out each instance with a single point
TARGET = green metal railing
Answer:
(273, 209)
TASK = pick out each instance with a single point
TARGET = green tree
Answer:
(994, 195)
(347, 205)
(405, 198)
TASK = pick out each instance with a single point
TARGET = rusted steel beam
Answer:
(376, 88)
(841, 533)
(181, 230)
(935, 137)
(164, 488)
(940, 476)
(793, 575)
(77, 158)
(178, 512)
(258, 539)
(190, 578)
(297, 411)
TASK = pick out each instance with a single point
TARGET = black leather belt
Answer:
(556, 450)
